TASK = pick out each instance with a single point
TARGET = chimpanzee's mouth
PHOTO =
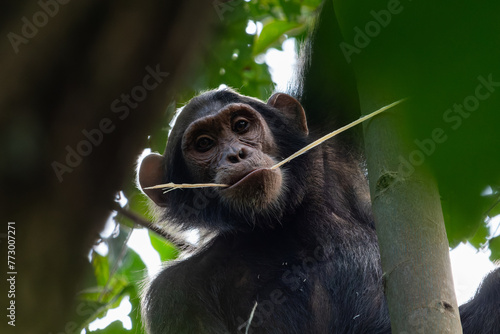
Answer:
(253, 175)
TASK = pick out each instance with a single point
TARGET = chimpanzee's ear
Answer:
(292, 109)
(151, 173)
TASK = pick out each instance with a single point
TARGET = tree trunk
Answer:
(394, 59)
(410, 226)
(82, 81)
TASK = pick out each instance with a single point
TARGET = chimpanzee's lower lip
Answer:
(247, 176)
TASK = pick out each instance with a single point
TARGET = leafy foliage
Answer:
(446, 60)
(271, 34)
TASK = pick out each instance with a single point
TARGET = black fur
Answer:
(310, 263)
(312, 267)
(481, 315)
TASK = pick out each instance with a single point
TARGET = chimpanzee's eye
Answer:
(204, 143)
(240, 126)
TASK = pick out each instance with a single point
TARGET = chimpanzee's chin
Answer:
(258, 191)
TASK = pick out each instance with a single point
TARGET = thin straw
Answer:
(186, 185)
(336, 132)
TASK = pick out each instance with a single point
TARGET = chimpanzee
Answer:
(295, 249)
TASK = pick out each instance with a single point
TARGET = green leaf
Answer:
(271, 33)
(101, 268)
(459, 148)
(495, 248)
(116, 327)
(86, 312)
(135, 314)
(132, 267)
(495, 209)
(290, 8)
(311, 3)
(479, 239)
(118, 288)
(165, 249)
(89, 311)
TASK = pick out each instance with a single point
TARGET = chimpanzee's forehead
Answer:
(210, 107)
(207, 104)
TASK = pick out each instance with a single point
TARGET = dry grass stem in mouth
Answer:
(173, 186)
